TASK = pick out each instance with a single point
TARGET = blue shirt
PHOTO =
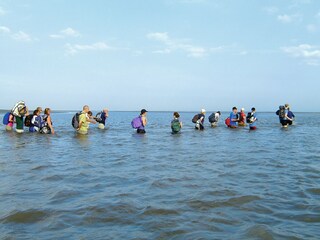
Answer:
(233, 116)
(255, 122)
(290, 114)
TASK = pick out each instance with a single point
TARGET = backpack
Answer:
(212, 118)
(75, 120)
(195, 118)
(6, 117)
(98, 117)
(282, 112)
(19, 109)
(227, 121)
(27, 120)
(175, 126)
(249, 117)
(136, 122)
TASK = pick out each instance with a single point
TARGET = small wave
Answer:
(29, 216)
(159, 211)
(315, 191)
(232, 202)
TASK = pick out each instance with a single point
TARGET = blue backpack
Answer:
(136, 122)
(6, 117)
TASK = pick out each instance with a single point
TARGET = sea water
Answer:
(218, 183)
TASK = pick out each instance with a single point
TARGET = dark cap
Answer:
(143, 111)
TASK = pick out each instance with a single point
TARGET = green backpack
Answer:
(175, 126)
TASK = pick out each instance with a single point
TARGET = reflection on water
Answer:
(116, 184)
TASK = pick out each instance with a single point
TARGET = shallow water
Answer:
(115, 184)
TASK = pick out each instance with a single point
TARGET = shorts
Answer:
(214, 124)
(8, 128)
(101, 126)
(141, 131)
(253, 128)
(82, 132)
(284, 122)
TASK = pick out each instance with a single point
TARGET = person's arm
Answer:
(286, 116)
(254, 118)
(49, 124)
(80, 123)
(11, 118)
(181, 124)
(91, 120)
(144, 121)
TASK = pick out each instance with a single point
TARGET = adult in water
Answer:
(143, 116)
(103, 117)
(200, 122)
(48, 121)
(290, 115)
(84, 121)
(242, 118)
(253, 119)
(234, 118)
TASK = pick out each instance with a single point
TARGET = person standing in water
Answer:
(242, 118)
(252, 119)
(84, 121)
(234, 118)
(48, 121)
(104, 114)
(200, 122)
(143, 116)
(176, 124)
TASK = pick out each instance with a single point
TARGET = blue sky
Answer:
(160, 54)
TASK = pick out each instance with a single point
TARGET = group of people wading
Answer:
(42, 123)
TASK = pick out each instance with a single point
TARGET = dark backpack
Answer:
(98, 117)
(212, 118)
(249, 117)
(282, 112)
(175, 126)
(27, 120)
(75, 120)
(195, 118)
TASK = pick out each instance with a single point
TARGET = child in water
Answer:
(176, 124)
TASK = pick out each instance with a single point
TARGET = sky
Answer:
(162, 55)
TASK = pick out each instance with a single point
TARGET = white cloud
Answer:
(56, 36)
(289, 18)
(22, 36)
(18, 36)
(177, 44)
(4, 30)
(309, 53)
(2, 12)
(312, 28)
(75, 48)
(68, 32)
